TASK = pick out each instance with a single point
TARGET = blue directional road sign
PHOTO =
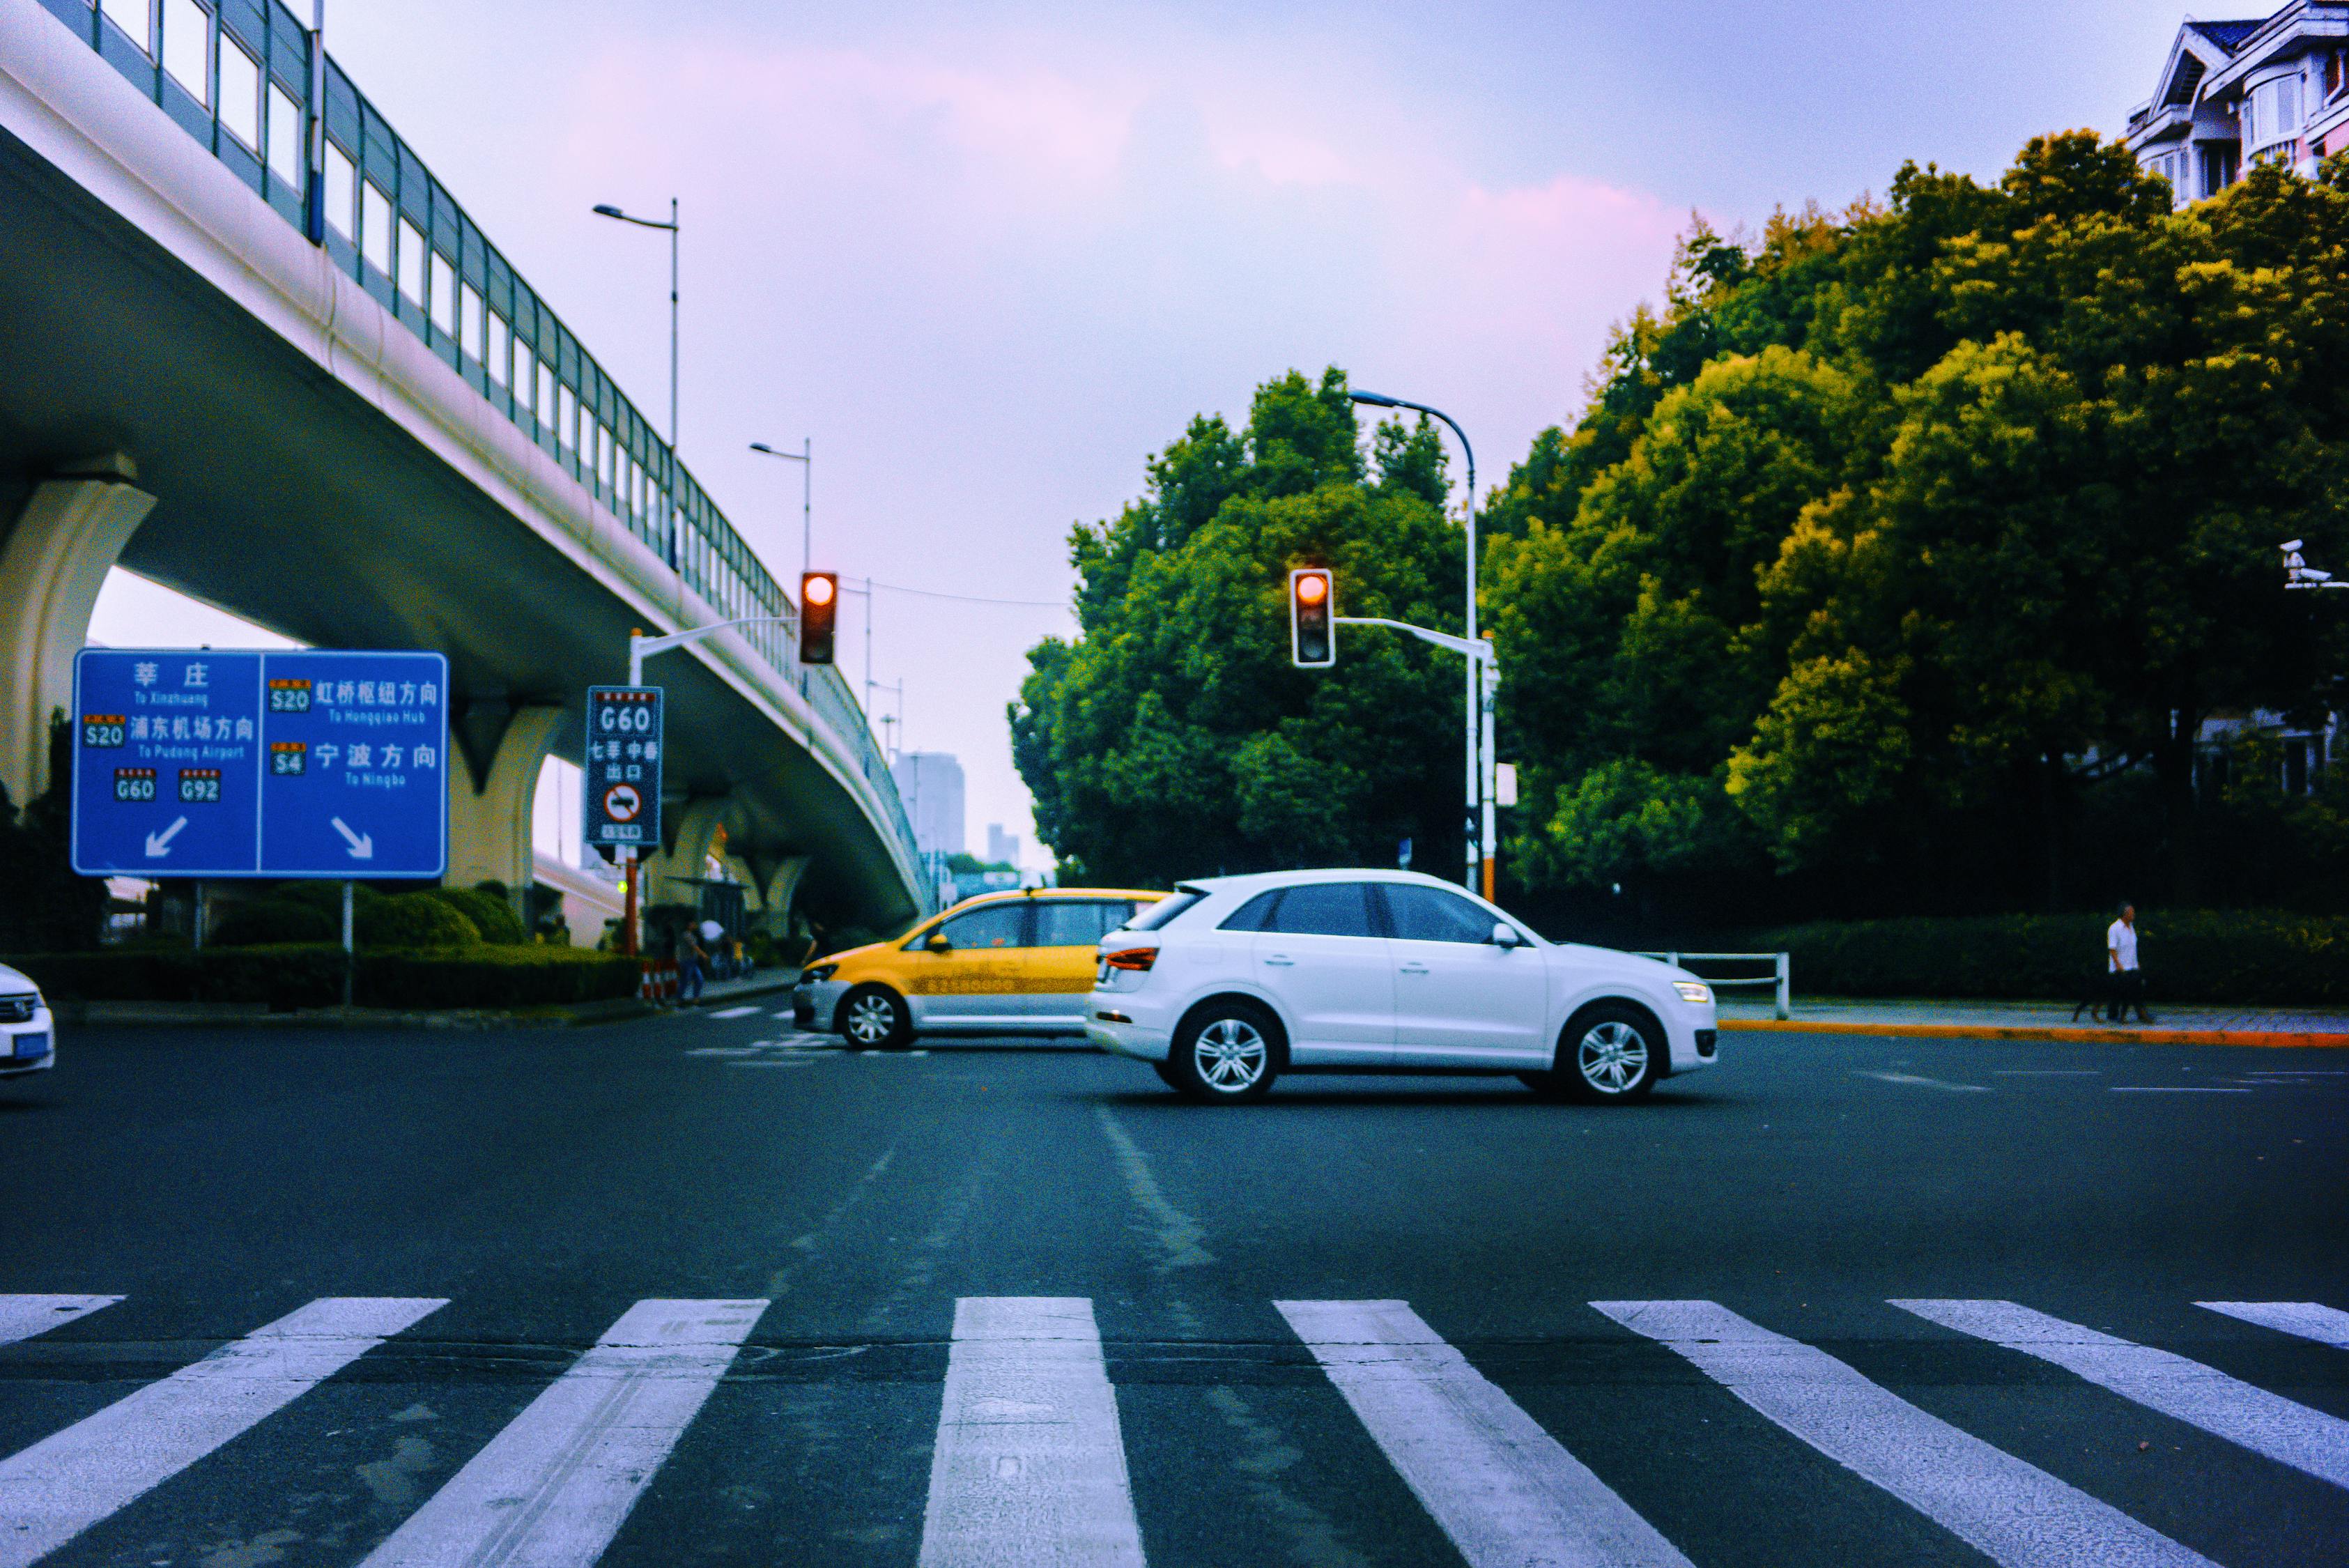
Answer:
(231, 763)
(624, 768)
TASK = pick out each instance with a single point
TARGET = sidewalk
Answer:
(257, 1015)
(2279, 1026)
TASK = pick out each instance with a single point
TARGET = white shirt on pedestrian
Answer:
(2120, 946)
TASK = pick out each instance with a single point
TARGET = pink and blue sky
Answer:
(989, 257)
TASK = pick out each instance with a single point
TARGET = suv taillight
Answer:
(1135, 959)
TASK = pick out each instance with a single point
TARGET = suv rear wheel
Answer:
(1225, 1051)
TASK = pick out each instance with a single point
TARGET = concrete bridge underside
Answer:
(280, 479)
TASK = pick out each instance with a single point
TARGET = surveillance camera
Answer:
(2291, 543)
(2311, 575)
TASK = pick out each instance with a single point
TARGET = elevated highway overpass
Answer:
(322, 400)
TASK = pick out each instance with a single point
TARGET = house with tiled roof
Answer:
(2236, 94)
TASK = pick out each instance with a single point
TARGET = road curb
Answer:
(2281, 1039)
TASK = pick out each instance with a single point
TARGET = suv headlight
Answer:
(1693, 991)
(817, 972)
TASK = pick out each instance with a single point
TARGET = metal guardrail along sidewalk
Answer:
(236, 75)
(1781, 977)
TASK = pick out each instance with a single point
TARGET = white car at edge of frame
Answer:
(1235, 980)
(29, 1033)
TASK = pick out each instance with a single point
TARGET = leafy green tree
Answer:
(1173, 738)
(1897, 536)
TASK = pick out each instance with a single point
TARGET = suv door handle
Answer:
(1283, 960)
(1414, 968)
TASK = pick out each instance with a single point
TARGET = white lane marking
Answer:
(2183, 1390)
(2048, 1072)
(553, 1487)
(2171, 1089)
(22, 1318)
(736, 1011)
(1507, 1492)
(2013, 1513)
(1914, 1082)
(1030, 1465)
(68, 1482)
(727, 1050)
(778, 1062)
(2310, 1320)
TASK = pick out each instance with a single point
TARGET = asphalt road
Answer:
(1749, 1396)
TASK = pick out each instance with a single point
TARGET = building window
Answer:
(240, 84)
(545, 401)
(2272, 111)
(188, 46)
(2218, 169)
(499, 337)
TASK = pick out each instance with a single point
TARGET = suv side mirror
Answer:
(938, 943)
(1504, 935)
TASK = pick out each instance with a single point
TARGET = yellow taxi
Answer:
(1018, 962)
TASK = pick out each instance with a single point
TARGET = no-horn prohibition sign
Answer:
(623, 768)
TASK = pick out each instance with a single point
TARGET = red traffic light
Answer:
(1312, 630)
(819, 608)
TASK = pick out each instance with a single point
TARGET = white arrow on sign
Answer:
(160, 843)
(362, 844)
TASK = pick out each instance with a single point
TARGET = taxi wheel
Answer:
(1225, 1052)
(1611, 1054)
(873, 1018)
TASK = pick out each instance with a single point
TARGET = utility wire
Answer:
(971, 598)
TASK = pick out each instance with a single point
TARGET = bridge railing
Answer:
(235, 75)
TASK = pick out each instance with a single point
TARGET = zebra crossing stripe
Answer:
(2013, 1513)
(2183, 1390)
(1030, 1465)
(22, 1318)
(68, 1482)
(2325, 1324)
(1507, 1492)
(553, 1488)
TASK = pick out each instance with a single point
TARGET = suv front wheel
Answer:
(1224, 1052)
(1611, 1054)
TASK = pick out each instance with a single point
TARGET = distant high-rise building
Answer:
(930, 784)
(1001, 847)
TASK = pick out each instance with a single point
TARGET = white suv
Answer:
(28, 1035)
(1236, 979)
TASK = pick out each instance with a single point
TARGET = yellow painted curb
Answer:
(2045, 1031)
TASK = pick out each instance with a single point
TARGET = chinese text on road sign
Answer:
(239, 764)
(623, 767)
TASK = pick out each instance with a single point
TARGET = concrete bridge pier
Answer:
(491, 796)
(53, 562)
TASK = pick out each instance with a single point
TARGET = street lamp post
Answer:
(1481, 687)
(606, 210)
(805, 458)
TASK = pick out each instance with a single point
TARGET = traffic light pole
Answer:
(1484, 681)
(641, 647)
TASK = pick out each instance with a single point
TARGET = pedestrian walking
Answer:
(2124, 980)
(690, 956)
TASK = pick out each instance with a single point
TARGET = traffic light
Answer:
(1312, 641)
(819, 608)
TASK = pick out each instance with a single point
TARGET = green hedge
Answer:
(2226, 958)
(311, 975)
